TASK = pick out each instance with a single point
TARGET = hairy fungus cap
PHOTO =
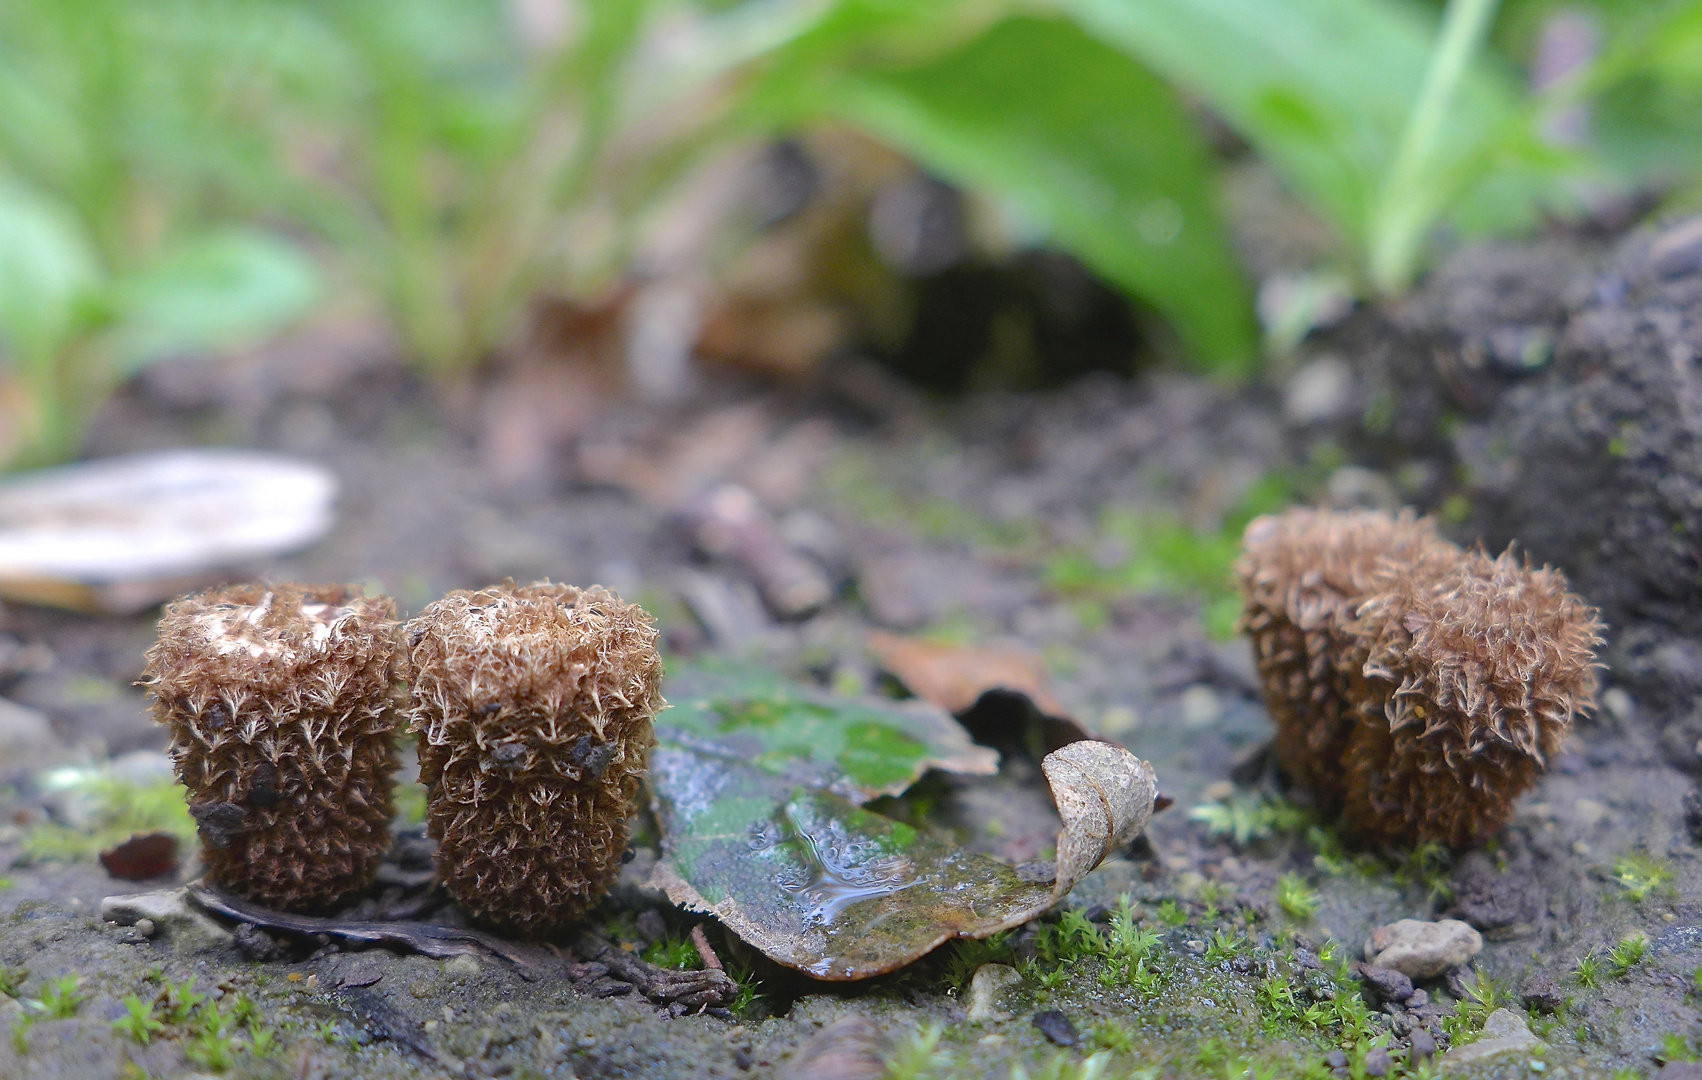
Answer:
(281, 705)
(533, 707)
(1303, 574)
(1471, 681)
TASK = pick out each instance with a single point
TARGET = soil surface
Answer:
(998, 519)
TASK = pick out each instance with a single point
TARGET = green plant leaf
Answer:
(1087, 143)
(48, 273)
(757, 786)
(218, 290)
(1324, 88)
(1646, 97)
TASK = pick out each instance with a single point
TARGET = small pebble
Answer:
(1542, 993)
(1418, 999)
(587, 1040)
(461, 967)
(1387, 983)
(145, 927)
(1057, 1027)
(1378, 1062)
(1423, 1044)
(1335, 1059)
(1420, 949)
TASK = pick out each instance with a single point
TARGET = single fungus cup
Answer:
(1471, 682)
(1303, 574)
(281, 701)
(533, 707)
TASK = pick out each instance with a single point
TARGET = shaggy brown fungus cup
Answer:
(1471, 680)
(533, 708)
(1415, 687)
(281, 705)
(1302, 575)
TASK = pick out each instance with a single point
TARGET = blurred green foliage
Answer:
(186, 175)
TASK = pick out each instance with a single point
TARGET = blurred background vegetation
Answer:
(186, 176)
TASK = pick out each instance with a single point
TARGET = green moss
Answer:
(1642, 875)
(138, 1022)
(918, 1057)
(1675, 1047)
(964, 958)
(1466, 1022)
(409, 801)
(1627, 955)
(12, 980)
(59, 999)
(117, 810)
(1246, 819)
(673, 952)
(1588, 971)
(1296, 898)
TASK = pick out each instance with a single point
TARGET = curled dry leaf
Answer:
(776, 845)
(956, 677)
(1105, 796)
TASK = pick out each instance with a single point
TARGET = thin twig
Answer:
(710, 960)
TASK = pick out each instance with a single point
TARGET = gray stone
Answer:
(171, 913)
(1318, 392)
(27, 740)
(461, 967)
(1542, 993)
(1378, 1062)
(1505, 1034)
(1423, 950)
(1678, 250)
(1423, 1044)
(1387, 983)
(986, 989)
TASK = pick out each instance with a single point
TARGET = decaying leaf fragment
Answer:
(955, 676)
(1105, 797)
(802, 872)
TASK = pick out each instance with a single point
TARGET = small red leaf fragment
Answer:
(149, 855)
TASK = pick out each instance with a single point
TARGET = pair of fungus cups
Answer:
(1417, 689)
(281, 700)
(533, 708)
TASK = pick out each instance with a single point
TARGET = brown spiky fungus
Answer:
(533, 706)
(1416, 688)
(1302, 575)
(1472, 680)
(282, 708)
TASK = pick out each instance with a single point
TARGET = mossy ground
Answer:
(1085, 525)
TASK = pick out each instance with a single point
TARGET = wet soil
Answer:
(971, 521)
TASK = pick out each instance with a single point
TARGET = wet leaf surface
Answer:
(778, 848)
(858, 747)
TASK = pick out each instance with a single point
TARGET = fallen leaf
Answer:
(858, 747)
(955, 676)
(958, 677)
(149, 855)
(758, 796)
